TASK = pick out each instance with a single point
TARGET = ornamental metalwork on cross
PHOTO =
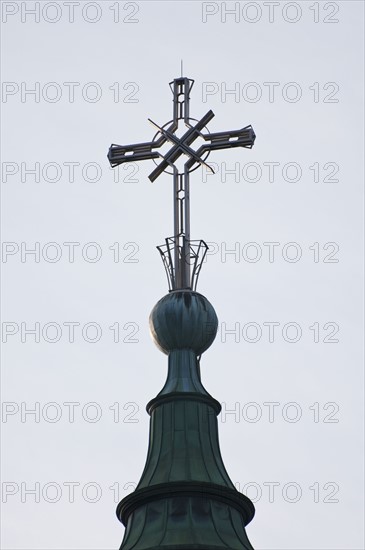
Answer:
(182, 256)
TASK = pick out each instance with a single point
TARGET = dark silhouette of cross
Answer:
(178, 270)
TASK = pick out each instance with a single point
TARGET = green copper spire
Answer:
(185, 498)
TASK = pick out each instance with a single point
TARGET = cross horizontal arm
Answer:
(244, 137)
(118, 154)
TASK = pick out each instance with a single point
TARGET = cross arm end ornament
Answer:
(118, 154)
(244, 137)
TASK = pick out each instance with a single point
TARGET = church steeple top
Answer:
(185, 498)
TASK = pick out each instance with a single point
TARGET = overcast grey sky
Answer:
(291, 292)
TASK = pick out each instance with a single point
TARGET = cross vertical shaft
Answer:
(182, 229)
(181, 98)
(181, 87)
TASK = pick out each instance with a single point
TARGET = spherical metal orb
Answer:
(183, 319)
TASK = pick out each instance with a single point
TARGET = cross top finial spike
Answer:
(182, 257)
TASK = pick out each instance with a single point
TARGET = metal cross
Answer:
(183, 266)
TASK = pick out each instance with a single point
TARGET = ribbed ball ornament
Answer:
(183, 319)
